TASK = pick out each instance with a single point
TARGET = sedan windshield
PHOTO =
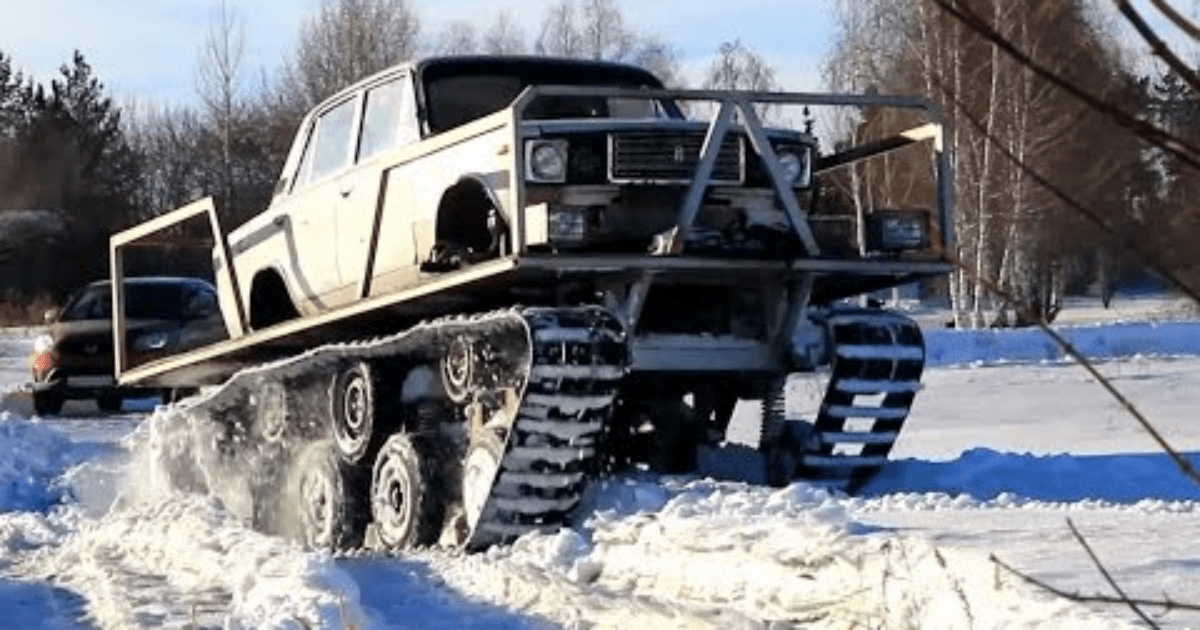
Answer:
(142, 301)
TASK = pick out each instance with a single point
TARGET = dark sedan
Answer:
(74, 359)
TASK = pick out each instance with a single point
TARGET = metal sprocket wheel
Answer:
(458, 370)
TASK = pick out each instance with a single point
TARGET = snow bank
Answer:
(678, 553)
(945, 347)
(985, 474)
(32, 456)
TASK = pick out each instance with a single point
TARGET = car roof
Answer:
(151, 280)
(551, 69)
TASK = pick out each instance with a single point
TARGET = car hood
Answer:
(102, 328)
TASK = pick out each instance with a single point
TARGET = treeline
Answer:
(67, 147)
(63, 151)
(1054, 195)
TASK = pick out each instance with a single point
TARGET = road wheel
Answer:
(404, 502)
(328, 502)
(177, 394)
(47, 403)
(109, 403)
(353, 411)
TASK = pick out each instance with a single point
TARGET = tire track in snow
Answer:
(713, 555)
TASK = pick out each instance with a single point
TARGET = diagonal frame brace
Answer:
(752, 125)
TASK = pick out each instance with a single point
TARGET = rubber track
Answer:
(566, 362)
(579, 357)
(879, 355)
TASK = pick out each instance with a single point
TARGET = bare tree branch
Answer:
(218, 80)
(1146, 257)
(504, 36)
(1181, 462)
(1159, 47)
(1090, 599)
(1107, 576)
(1183, 151)
(1177, 18)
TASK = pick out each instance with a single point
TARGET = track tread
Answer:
(876, 354)
(578, 359)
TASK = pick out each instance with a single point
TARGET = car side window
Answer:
(387, 119)
(329, 148)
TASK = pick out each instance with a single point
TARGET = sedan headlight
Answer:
(152, 342)
(546, 161)
(43, 343)
(897, 230)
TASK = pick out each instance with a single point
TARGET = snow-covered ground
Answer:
(1005, 445)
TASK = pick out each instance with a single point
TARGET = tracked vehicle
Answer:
(485, 281)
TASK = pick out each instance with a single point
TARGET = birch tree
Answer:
(1006, 120)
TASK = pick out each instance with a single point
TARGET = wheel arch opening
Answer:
(270, 301)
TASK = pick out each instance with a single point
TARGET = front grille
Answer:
(86, 347)
(670, 157)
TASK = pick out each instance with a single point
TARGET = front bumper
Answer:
(88, 386)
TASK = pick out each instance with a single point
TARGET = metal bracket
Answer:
(130, 237)
(708, 159)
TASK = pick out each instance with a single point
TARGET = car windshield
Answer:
(142, 301)
(459, 93)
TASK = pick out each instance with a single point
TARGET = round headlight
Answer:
(548, 161)
(43, 343)
(791, 165)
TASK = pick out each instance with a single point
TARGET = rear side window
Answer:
(329, 148)
(387, 119)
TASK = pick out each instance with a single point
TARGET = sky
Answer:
(147, 50)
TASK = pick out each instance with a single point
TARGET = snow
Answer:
(1112, 340)
(1006, 442)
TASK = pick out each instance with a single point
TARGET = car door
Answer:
(388, 122)
(320, 188)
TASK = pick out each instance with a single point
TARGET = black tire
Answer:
(327, 500)
(405, 502)
(109, 403)
(47, 403)
(177, 394)
(353, 411)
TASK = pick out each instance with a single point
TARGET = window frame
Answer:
(406, 127)
(304, 171)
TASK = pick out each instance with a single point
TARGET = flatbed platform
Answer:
(443, 293)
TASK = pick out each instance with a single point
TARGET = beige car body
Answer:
(315, 234)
